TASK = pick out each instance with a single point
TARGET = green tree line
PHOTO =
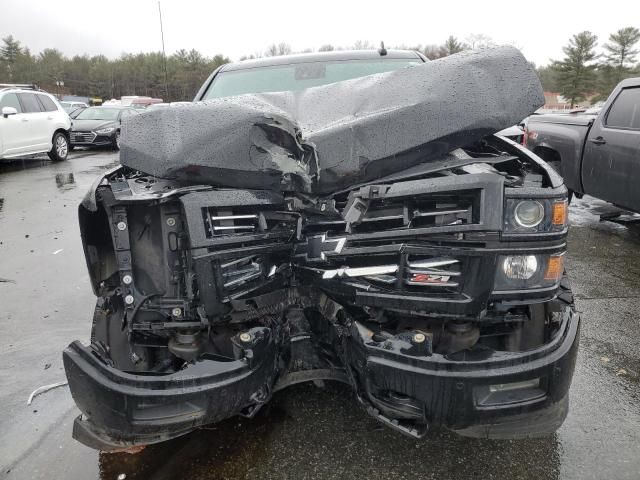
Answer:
(583, 73)
(99, 76)
(586, 72)
(144, 73)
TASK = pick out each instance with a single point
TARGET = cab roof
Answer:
(338, 55)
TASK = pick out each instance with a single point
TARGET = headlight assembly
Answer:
(528, 213)
(105, 131)
(522, 272)
(535, 215)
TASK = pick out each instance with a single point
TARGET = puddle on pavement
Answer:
(99, 169)
(14, 165)
(38, 161)
(324, 433)
(65, 181)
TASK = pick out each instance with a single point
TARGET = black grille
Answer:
(437, 210)
(83, 137)
(234, 221)
(228, 222)
(404, 213)
(426, 274)
(238, 273)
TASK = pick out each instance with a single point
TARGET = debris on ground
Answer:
(43, 389)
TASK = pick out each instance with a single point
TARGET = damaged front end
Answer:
(436, 291)
(411, 290)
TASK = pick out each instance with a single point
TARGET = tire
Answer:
(60, 147)
(116, 141)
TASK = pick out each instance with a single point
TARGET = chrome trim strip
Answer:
(232, 217)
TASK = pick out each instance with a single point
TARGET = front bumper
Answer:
(121, 410)
(507, 395)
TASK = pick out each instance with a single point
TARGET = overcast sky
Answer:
(238, 27)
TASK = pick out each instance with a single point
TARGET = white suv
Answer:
(32, 122)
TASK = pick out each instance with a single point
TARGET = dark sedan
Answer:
(99, 126)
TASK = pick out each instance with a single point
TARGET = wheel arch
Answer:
(62, 130)
(548, 154)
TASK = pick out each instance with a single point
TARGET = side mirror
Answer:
(6, 111)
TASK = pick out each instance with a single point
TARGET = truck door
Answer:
(611, 161)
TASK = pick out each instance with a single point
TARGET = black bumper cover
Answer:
(121, 410)
(461, 395)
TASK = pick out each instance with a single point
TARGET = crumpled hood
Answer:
(326, 138)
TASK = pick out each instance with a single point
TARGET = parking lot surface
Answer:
(306, 431)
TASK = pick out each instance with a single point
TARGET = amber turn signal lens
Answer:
(555, 267)
(559, 216)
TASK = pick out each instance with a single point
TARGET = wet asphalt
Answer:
(306, 431)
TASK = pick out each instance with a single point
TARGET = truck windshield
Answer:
(298, 76)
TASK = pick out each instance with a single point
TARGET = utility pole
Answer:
(164, 57)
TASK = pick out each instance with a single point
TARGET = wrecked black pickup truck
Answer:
(364, 225)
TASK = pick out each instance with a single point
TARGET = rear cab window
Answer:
(625, 111)
(10, 100)
(29, 103)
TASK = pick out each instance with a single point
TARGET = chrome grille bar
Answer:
(232, 217)
(435, 213)
(434, 262)
(235, 227)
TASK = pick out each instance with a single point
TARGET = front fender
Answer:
(89, 201)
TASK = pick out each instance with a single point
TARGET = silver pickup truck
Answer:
(598, 155)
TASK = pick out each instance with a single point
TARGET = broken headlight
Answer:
(535, 215)
(520, 272)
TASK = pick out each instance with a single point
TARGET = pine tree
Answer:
(452, 45)
(576, 73)
(9, 55)
(621, 53)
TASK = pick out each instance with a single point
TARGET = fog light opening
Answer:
(509, 387)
